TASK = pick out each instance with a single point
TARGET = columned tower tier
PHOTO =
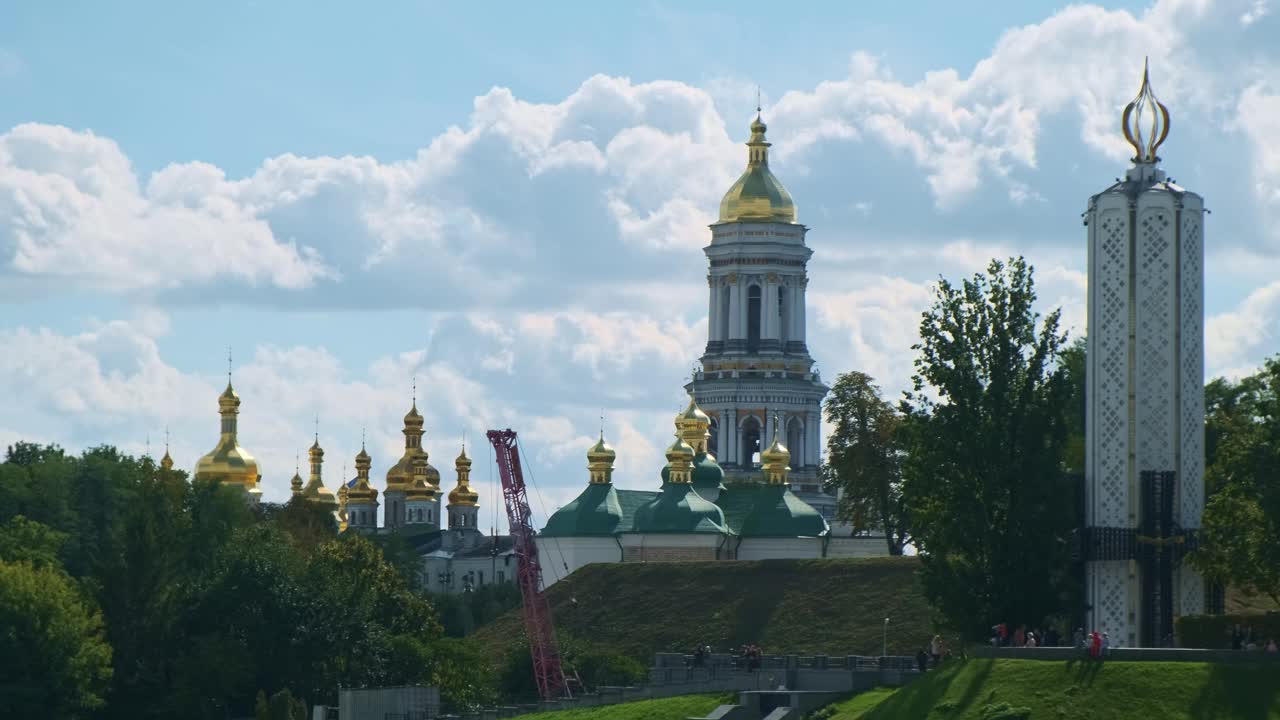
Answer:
(756, 369)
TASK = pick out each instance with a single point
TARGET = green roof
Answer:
(679, 509)
(596, 511)
(777, 512)
(751, 509)
(707, 473)
(566, 522)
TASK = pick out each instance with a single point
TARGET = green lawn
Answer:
(675, 708)
(1080, 690)
(804, 606)
(855, 707)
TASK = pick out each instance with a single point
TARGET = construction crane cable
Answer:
(541, 505)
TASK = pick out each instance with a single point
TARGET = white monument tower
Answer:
(1144, 476)
(756, 366)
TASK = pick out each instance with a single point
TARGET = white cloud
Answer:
(554, 246)
(1258, 9)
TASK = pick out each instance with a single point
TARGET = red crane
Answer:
(537, 612)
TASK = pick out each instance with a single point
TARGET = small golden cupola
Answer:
(295, 483)
(694, 427)
(600, 459)
(166, 462)
(462, 494)
(775, 460)
(359, 500)
(757, 196)
(464, 512)
(228, 463)
(680, 460)
(361, 491)
(315, 491)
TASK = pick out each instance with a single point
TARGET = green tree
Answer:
(26, 540)
(54, 660)
(991, 508)
(1073, 363)
(864, 458)
(1240, 529)
(281, 706)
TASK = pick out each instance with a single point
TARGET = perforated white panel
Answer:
(1156, 336)
(1108, 379)
(1191, 371)
(1190, 592)
(1109, 591)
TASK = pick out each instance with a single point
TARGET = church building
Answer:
(741, 480)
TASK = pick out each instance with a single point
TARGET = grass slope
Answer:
(675, 708)
(856, 707)
(1036, 690)
(832, 607)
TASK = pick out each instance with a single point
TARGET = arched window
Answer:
(753, 317)
(724, 313)
(795, 442)
(784, 324)
(750, 441)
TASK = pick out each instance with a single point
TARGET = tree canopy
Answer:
(193, 602)
(990, 506)
(1240, 529)
(864, 459)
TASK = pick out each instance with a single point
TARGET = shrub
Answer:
(1214, 631)
(596, 668)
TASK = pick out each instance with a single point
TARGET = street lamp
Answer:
(884, 649)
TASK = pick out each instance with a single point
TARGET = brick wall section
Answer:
(658, 554)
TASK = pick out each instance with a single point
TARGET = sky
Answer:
(508, 206)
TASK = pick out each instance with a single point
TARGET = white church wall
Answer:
(857, 547)
(560, 556)
(779, 548)
(674, 547)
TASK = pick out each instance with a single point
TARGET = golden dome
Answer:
(694, 425)
(693, 415)
(775, 459)
(600, 459)
(296, 484)
(400, 477)
(166, 462)
(315, 490)
(420, 486)
(757, 196)
(413, 418)
(462, 494)
(680, 460)
(361, 491)
(229, 463)
(229, 400)
(601, 452)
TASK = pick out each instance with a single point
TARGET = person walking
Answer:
(935, 649)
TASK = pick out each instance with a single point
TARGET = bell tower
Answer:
(756, 369)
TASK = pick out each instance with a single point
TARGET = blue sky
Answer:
(511, 206)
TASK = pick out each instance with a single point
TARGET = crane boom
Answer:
(538, 625)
